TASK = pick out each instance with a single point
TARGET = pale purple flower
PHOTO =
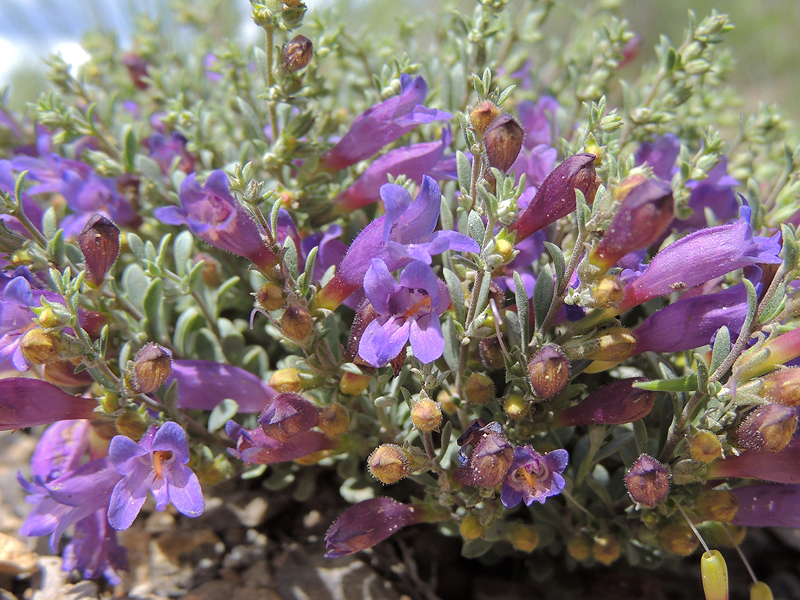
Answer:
(331, 250)
(16, 318)
(365, 524)
(214, 216)
(539, 121)
(533, 477)
(714, 192)
(27, 402)
(383, 124)
(164, 150)
(32, 210)
(408, 310)
(158, 463)
(60, 449)
(536, 163)
(94, 549)
(660, 155)
(255, 446)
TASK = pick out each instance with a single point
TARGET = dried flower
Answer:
(490, 457)
(647, 481)
(287, 415)
(151, 367)
(503, 141)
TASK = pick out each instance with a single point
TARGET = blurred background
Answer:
(765, 43)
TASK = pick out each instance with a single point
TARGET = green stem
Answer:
(678, 431)
(273, 116)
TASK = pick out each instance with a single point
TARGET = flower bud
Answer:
(768, 428)
(426, 415)
(606, 549)
(288, 415)
(643, 216)
(760, 591)
(296, 323)
(99, 242)
(483, 115)
(389, 463)
(515, 407)
(490, 458)
(40, 347)
(717, 505)
(479, 388)
(211, 270)
(445, 400)
(782, 387)
(613, 344)
(270, 296)
(503, 141)
(137, 69)
(607, 291)
(715, 575)
(49, 318)
(580, 548)
(131, 424)
(614, 404)
(334, 420)
(353, 384)
(548, 370)
(678, 538)
(286, 380)
(151, 367)
(63, 373)
(297, 53)
(471, 527)
(705, 447)
(365, 524)
(491, 353)
(648, 481)
(523, 537)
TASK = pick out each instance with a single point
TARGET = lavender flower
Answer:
(660, 155)
(94, 549)
(60, 449)
(158, 463)
(16, 318)
(408, 310)
(533, 476)
(165, 150)
(214, 216)
(255, 446)
(404, 233)
(365, 524)
(412, 161)
(382, 124)
(714, 192)
(28, 402)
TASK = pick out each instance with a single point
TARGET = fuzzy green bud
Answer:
(131, 424)
(471, 527)
(286, 380)
(389, 463)
(334, 420)
(353, 384)
(678, 538)
(270, 296)
(523, 537)
(482, 116)
(580, 548)
(296, 323)
(479, 388)
(515, 407)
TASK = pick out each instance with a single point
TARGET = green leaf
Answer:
(309, 269)
(614, 445)
(542, 295)
(56, 247)
(483, 293)
(684, 384)
(456, 294)
(722, 347)
(221, 414)
(182, 249)
(131, 147)
(790, 250)
(136, 245)
(464, 172)
(385, 401)
(151, 303)
(135, 283)
(49, 223)
(702, 372)
(476, 548)
(523, 309)
(290, 256)
(447, 432)
(559, 262)
(189, 321)
(505, 94)
(477, 230)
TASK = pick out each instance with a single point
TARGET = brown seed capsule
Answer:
(483, 115)
(297, 53)
(717, 505)
(270, 296)
(334, 420)
(548, 370)
(648, 481)
(426, 415)
(705, 447)
(296, 323)
(40, 347)
(389, 463)
(99, 242)
(503, 141)
(151, 367)
(479, 388)
(768, 428)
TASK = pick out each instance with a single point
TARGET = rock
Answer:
(15, 557)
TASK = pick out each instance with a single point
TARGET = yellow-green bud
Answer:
(706, 447)
(515, 407)
(334, 420)
(717, 505)
(580, 548)
(479, 388)
(151, 367)
(40, 347)
(606, 549)
(471, 527)
(607, 291)
(426, 415)
(445, 400)
(523, 537)
(352, 384)
(504, 248)
(110, 402)
(760, 591)
(48, 318)
(286, 380)
(270, 296)
(715, 575)
(678, 538)
(389, 463)
(131, 424)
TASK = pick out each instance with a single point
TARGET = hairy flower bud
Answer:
(580, 548)
(426, 415)
(288, 415)
(334, 420)
(515, 407)
(131, 424)
(353, 384)
(503, 141)
(647, 481)
(643, 216)
(715, 575)
(782, 387)
(40, 347)
(489, 459)
(479, 388)
(678, 538)
(286, 380)
(607, 291)
(483, 115)
(705, 447)
(548, 370)
(99, 242)
(768, 428)
(270, 296)
(151, 367)
(717, 505)
(297, 53)
(389, 463)
(296, 323)
(523, 537)
(606, 549)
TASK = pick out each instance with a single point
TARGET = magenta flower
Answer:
(768, 505)
(255, 446)
(533, 476)
(158, 463)
(365, 524)
(404, 233)
(408, 310)
(214, 216)
(383, 124)
(614, 404)
(28, 402)
(777, 467)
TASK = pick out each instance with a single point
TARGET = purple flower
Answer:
(537, 163)
(94, 549)
(408, 310)
(16, 318)
(533, 476)
(214, 216)
(32, 210)
(539, 121)
(365, 524)
(60, 449)
(28, 402)
(699, 257)
(203, 384)
(491, 454)
(158, 463)
(617, 403)
(164, 150)
(768, 505)
(404, 233)
(255, 446)
(331, 250)
(413, 161)
(691, 322)
(382, 124)
(777, 467)
(660, 155)
(288, 415)
(714, 192)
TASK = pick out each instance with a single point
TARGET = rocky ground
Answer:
(253, 544)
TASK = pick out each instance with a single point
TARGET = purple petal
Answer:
(127, 500)
(123, 452)
(204, 384)
(172, 438)
(427, 340)
(380, 343)
(184, 491)
(379, 285)
(420, 275)
(171, 215)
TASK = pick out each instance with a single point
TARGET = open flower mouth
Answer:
(160, 457)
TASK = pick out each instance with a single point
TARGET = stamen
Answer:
(425, 302)
(159, 457)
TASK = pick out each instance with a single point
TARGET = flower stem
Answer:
(273, 116)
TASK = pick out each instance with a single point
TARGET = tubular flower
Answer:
(158, 463)
(777, 467)
(404, 233)
(214, 216)
(382, 124)
(94, 549)
(614, 404)
(408, 310)
(255, 446)
(533, 476)
(28, 402)
(768, 505)
(288, 415)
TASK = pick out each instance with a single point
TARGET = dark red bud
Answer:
(288, 415)
(297, 53)
(648, 481)
(99, 242)
(503, 140)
